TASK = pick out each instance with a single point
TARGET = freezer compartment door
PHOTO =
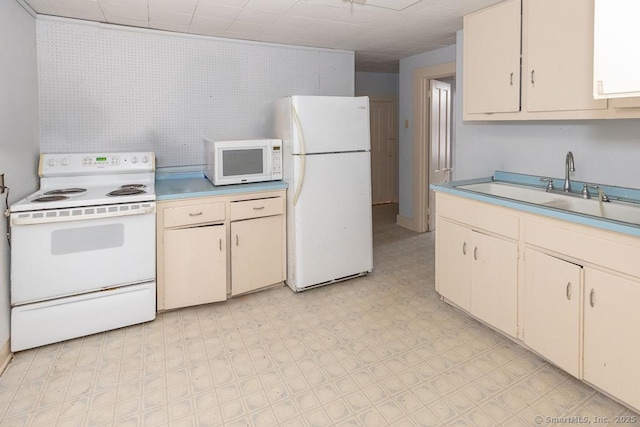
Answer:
(33, 325)
(330, 124)
(329, 229)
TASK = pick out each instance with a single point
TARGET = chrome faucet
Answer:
(569, 166)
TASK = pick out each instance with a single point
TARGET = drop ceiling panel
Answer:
(393, 29)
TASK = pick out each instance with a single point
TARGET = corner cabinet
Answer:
(211, 247)
(550, 77)
(566, 291)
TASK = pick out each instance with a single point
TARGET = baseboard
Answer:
(405, 222)
(5, 355)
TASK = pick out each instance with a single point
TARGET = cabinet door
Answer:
(256, 253)
(195, 266)
(494, 284)
(558, 40)
(453, 263)
(552, 309)
(491, 59)
(611, 339)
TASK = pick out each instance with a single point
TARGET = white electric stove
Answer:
(83, 248)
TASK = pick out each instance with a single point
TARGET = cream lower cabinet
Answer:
(476, 271)
(552, 301)
(211, 247)
(256, 254)
(195, 266)
(567, 291)
(611, 339)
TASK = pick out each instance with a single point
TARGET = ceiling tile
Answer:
(135, 10)
(209, 26)
(233, 3)
(165, 17)
(288, 21)
(273, 6)
(216, 11)
(257, 17)
(171, 27)
(175, 6)
(246, 28)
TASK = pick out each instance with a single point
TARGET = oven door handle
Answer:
(81, 214)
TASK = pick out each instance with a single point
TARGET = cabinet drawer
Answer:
(478, 215)
(257, 208)
(194, 214)
(606, 249)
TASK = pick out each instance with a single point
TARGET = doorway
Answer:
(384, 149)
(432, 143)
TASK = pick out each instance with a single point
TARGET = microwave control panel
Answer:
(276, 158)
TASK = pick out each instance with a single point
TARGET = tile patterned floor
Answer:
(375, 351)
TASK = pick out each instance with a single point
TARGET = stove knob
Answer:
(134, 159)
(145, 159)
(52, 162)
(64, 161)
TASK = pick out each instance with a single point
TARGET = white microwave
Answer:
(241, 161)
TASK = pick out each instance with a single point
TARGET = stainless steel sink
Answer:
(616, 211)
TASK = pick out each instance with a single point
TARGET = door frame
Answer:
(421, 77)
(394, 131)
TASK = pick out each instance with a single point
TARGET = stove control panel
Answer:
(71, 164)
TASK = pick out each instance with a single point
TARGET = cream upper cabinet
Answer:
(558, 53)
(552, 304)
(491, 59)
(611, 339)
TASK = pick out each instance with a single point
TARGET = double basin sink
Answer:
(626, 212)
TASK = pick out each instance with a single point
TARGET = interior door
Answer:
(439, 141)
(384, 149)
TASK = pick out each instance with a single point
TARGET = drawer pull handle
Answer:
(475, 253)
(236, 240)
(591, 295)
(195, 214)
(569, 291)
(257, 208)
(533, 80)
(464, 248)
(511, 79)
(221, 244)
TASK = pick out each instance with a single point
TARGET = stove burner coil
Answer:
(132, 186)
(66, 191)
(50, 199)
(126, 192)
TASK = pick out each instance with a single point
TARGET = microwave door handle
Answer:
(303, 157)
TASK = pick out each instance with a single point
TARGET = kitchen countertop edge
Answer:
(186, 185)
(451, 188)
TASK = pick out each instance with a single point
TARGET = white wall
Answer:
(382, 84)
(104, 88)
(605, 151)
(18, 126)
(407, 66)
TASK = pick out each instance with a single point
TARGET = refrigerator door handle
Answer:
(303, 159)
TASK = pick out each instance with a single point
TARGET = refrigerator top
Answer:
(329, 124)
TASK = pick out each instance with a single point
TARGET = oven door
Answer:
(66, 252)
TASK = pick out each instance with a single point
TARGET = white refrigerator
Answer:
(327, 164)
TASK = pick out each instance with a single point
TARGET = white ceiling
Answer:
(380, 31)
